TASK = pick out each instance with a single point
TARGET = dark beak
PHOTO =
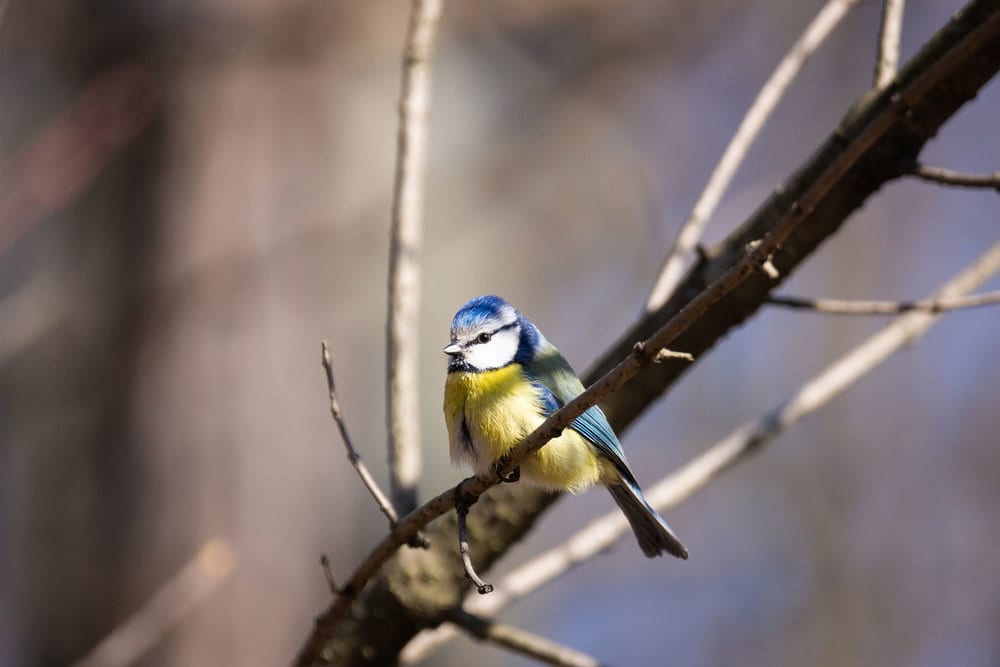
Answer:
(453, 349)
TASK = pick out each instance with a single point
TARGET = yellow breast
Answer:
(489, 413)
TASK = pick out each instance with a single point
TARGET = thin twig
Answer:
(324, 562)
(402, 359)
(890, 31)
(852, 307)
(169, 605)
(482, 587)
(767, 99)
(520, 641)
(950, 177)
(352, 454)
(602, 533)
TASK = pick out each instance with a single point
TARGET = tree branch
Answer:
(876, 142)
(950, 177)
(381, 500)
(853, 307)
(890, 31)
(767, 99)
(404, 266)
(520, 641)
(603, 532)
(171, 603)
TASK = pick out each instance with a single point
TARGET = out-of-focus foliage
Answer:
(194, 193)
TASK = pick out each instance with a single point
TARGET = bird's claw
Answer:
(510, 477)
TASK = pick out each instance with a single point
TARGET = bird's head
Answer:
(489, 333)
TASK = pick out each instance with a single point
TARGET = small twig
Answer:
(324, 562)
(767, 99)
(602, 533)
(950, 177)
(520, 641)
(890, 31)
(352, 454)
(851, 307)
(402, 358)
(665, 354)
(766, 265)
(482, 587)
(169, 605)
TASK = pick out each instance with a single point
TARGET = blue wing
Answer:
(554, 375)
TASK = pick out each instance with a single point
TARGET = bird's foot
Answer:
(510, 477)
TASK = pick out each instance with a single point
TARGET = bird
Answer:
(503, 380)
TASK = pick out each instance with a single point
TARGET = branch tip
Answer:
(665, 354)
(484, 588)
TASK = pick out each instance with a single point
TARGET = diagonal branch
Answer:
(767, 99)
(404, 256)
(381, 500)
(603, 532)
(855, 307)
(520, 641)
(169, 605)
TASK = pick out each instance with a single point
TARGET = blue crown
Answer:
(480, 310)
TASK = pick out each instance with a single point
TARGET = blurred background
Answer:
(194, 193)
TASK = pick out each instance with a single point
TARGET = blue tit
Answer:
(504, 379)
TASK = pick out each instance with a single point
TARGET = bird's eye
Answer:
(483, 338)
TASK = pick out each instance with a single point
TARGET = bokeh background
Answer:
(194, 193)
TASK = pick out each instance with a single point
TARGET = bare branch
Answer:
(767, 99)
(352, 454)
(168, 606)
(404, 267)
(482, 587)
(602, 533)
(950, 177)
(520, 641)
(853, 307)
(890, 31)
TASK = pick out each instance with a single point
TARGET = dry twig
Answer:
(168, 606)
(520, 641)
(857, 307)
(602, 533)
(462, 510)
(404, 256)
(767, 99)
(890, 31)
(950, 177)
(352, 454)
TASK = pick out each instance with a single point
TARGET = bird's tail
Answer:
(652, 532)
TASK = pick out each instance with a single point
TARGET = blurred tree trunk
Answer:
(73, 476)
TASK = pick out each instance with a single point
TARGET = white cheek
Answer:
(495, 354)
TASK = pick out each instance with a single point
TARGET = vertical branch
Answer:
(887, 60)
(767, 99)
(404, 255)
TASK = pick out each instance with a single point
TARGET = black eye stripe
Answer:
(494, 332)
